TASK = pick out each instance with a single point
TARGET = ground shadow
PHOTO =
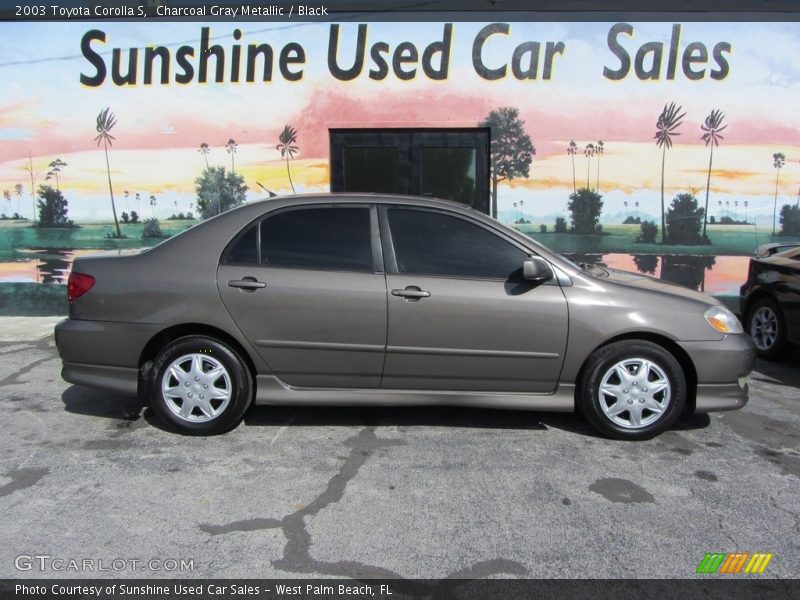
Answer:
(107, 405)
(785, 372)
(98, 403)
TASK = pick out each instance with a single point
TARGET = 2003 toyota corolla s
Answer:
(370, 299)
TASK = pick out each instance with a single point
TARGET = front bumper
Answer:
(713, 398)
(722, 368)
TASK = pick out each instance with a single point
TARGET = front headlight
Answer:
(723, 320)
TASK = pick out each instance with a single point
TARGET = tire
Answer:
(621, 401)
(200, 386)
(767, 328)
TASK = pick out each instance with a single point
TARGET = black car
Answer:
(770, 302)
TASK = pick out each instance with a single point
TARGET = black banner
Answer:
(398, 589)
(398, 10)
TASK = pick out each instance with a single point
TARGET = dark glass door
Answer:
(445, 163)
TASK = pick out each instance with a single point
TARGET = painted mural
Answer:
(671, 149)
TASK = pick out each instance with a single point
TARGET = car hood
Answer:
(647, 282)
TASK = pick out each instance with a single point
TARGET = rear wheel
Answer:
(200, 386)
(767, 327)
(633, 389)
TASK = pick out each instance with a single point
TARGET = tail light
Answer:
(78, 284)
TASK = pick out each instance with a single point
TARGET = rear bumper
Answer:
(102, 342)
(102, 354)
(114, 379)
(722, 368)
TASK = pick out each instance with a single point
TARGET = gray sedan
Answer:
(371, 299)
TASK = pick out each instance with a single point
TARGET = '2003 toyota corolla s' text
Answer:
(371, 299)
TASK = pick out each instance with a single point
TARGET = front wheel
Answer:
(767, 327)
(633, 389)
(200, 386)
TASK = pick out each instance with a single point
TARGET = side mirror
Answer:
(536, 269)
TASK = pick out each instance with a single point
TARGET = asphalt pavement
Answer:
(87, 475)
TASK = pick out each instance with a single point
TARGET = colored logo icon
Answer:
(734, 562)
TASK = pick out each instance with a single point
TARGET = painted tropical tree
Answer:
(667, 125)
(778, 160)
(571, 150)
(105, 123)
(33, 174)
(153, 202)
(231, 147)
(599, 149)
(56, 167)
(18, 190)
(588, 152)
(7, 197)
(204, 150)
(511, 149)
(711, 136)
(287, 146)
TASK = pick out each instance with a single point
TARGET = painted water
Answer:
(716, 275)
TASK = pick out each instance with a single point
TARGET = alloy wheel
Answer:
(764, 328)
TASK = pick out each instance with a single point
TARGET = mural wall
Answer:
(667, 148)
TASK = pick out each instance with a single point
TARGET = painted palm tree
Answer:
(18, 190)
(599, 149)
(33, 175)
(588, 152)
(778, 160)
(667, 125)
(127, 202)
(230, 148)
(105, 123)
(153, 202)
(287, 146)
(138, 200)
(571, 150)
(55, 168)
(711, 136)
(746, 204)
(7, 196)
(204, 150)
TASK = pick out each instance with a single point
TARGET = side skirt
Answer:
(270, 390)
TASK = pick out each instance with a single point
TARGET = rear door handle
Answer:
(411, 292)
(247, 284)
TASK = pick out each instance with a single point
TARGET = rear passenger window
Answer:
(336, 238)
(245, 249)
(428, 242)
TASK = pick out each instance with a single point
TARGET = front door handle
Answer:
(247, 284)
(411, 293)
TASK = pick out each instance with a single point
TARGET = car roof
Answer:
(366, 197)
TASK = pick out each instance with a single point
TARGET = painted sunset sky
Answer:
(47, 112)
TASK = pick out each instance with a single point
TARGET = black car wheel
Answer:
(200, 386)
(632, 390)
(767, 327)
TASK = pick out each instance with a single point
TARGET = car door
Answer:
(305, 287)
(460, 315)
